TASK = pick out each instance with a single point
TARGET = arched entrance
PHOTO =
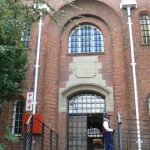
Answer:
(85, 121)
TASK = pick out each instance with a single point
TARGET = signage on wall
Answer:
(29, 101)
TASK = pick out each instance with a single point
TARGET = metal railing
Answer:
(46, 140)
(127, 134)
(28, 136)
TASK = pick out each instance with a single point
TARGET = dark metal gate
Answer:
(85, 121)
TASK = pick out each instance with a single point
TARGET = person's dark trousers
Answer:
(108, 141)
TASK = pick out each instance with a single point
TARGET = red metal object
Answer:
(37, 122)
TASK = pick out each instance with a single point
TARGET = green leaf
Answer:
(2, 147)
(10, 136)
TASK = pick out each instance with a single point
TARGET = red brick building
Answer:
(85, 69)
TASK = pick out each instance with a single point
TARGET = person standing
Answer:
(108, 133)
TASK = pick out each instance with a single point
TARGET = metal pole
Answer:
(31, 133)
(134, 78)
(51, 139)
(25, 136)
(42, 140)
(56, 141)
(119, 133)
(37, 64)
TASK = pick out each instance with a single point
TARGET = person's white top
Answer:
(106, 126)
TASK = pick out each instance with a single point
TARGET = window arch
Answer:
(85, 38)
(145, 28)
(17, 117)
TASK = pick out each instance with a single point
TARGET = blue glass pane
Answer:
(86, 39)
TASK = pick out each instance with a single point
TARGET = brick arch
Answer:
(84, 87)
(82, 21)
(85, 18)
(61, 3)
(144, 11)
(91, 20)
(95, 9)
(72, 3)
(68, 92)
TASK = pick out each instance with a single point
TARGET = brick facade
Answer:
(55, 72)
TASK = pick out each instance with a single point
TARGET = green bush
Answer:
(10, 136)
(2, 147)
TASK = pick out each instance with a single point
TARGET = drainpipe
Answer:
(40, 7)
(37, 65)
(132, 4)
(134, 79)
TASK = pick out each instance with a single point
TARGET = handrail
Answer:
(28, 120)
(46, 125)
(48, 137)
(28, 127)
(132, 119)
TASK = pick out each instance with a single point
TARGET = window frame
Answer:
(14, 117)
(79, 45)
(86, 102)
(145, 23)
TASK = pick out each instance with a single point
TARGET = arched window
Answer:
(145, 29)
(17, 118)
(85, 38)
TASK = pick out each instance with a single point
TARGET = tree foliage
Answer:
(15, 19)
(2, 146)
(13, 68)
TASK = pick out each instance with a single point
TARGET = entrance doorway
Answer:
(85, 122)
(94, 128)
